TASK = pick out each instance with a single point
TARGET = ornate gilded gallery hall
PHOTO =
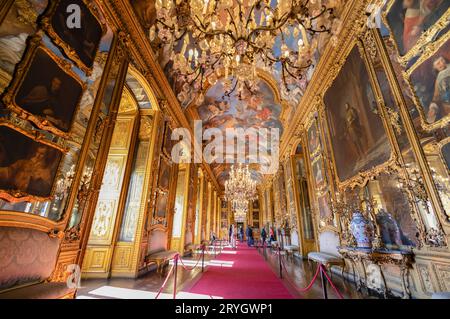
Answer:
(224, 149)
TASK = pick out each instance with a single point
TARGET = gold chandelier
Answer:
(240, 189)
(240, 186)
(232, 38)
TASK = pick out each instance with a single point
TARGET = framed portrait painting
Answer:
(313, 138)
(413, 22)
(167, 142)
(325, 213)
(27, 168)
(445, 153)
(357, 132)
(11, 120)
(164, 175)
(318, 173)
(430, 82)
(161, 205)
(74, 26)
(45, 90)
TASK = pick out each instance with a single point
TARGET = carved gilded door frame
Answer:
(88, 214)
(111, 202)
(199, 207)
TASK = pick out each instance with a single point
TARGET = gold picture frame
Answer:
(69, 51)
(360, 179)
(441, 145)
(18, 196)
(422, 42)
(318, 167)
(36, 46)
(16, 123)
(432, 49)
(316, 148)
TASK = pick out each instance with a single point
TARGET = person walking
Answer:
(233, 237)
(241, 234)
(249, 234)
(230, 232)
(272, 235)
(263, 236)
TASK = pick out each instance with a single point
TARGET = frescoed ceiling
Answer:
(261, 110)
(258, 111)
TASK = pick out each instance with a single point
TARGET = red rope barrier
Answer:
(193, 267)
(329, 280)
(175, 261)
(320, 268)
(165, 281)
(309, 285)
(172, 269)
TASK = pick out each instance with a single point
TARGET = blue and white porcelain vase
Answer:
(362, 229)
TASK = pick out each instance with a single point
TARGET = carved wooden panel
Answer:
(443, 274)
(425, 278)
(122, 257)
(122, 136)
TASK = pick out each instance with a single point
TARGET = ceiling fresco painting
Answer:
(291, 93)
(257, 111)
(268, 104)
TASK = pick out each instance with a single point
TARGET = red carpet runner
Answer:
(243, 275)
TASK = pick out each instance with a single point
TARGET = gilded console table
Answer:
(379, 257)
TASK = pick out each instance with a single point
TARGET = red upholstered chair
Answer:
(27, 260)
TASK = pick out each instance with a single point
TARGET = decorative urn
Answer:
(362, 229)
(389, 228)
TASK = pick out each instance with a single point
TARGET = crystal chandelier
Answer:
(210, 39)
(240, 186)
(240, 189)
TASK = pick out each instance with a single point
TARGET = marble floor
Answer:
(297, 274)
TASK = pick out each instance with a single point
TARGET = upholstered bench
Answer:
(44, 290)
(189, 249)
(161, 257)
(327, 260)
(441, 295)
(290, 249)
(274, 244)
(27, 261)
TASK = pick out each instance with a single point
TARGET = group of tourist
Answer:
(233, 235)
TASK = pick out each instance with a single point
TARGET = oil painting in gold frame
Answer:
(430, 83)
(358, 136)
(45, 90)
(80, 42)
(28, 168)
(318, 173)
(11, 120)
(163, 191)
(412, 23)
(325, 214)
(444, 148)
(314, 141)
(167, 140)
